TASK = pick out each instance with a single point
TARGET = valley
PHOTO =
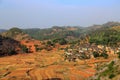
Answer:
(61, 53)
(59, 40)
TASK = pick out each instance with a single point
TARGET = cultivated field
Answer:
(45, 65)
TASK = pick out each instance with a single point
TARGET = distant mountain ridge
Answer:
(56, 32)
(67, 31)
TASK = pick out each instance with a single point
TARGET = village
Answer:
(88, 51)
(76, 52)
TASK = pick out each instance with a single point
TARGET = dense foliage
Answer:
(118, 55)
(61, 41)
(24, 49)
(96, 54)
(8, 46)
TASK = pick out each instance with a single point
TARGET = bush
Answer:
(49, 43)
(110, 66)
(118, 55)
(24, 49)
(36, 47)
(61, 41)
(96, 54)
(12, 52)
(48, 48)
(40, 48)
(105, 55)
(109, 71)
(8, 46)
(66, 49)
(83, 56)
(111, 76)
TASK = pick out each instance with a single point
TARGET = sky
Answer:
(48, 13)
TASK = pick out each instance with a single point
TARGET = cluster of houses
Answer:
(86, 51)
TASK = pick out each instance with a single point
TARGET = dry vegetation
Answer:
(45, 65)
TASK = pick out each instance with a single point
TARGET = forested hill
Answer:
(56, 32)
(108, 34)
(15, 33)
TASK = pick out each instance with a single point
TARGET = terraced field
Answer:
(44, 65)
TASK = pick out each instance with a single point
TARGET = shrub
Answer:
(8, 46)
(36, 47)
(96, 54)
(12, 52)
(118, 55)
(48, 48)
(24, 49)
(61, 41)
(50, 43)
(111, 76)
(105, 55)
(110, 66)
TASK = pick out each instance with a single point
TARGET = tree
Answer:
(62, 41)
(96, 54)
(105, 55)
(118, 55)
(8, 46)
(36, 47)
(24, 49)
(50, 43)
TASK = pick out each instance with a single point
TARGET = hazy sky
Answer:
(48, 13)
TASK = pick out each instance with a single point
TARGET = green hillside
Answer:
(56, 32)
(70, 32)
(106, 36)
